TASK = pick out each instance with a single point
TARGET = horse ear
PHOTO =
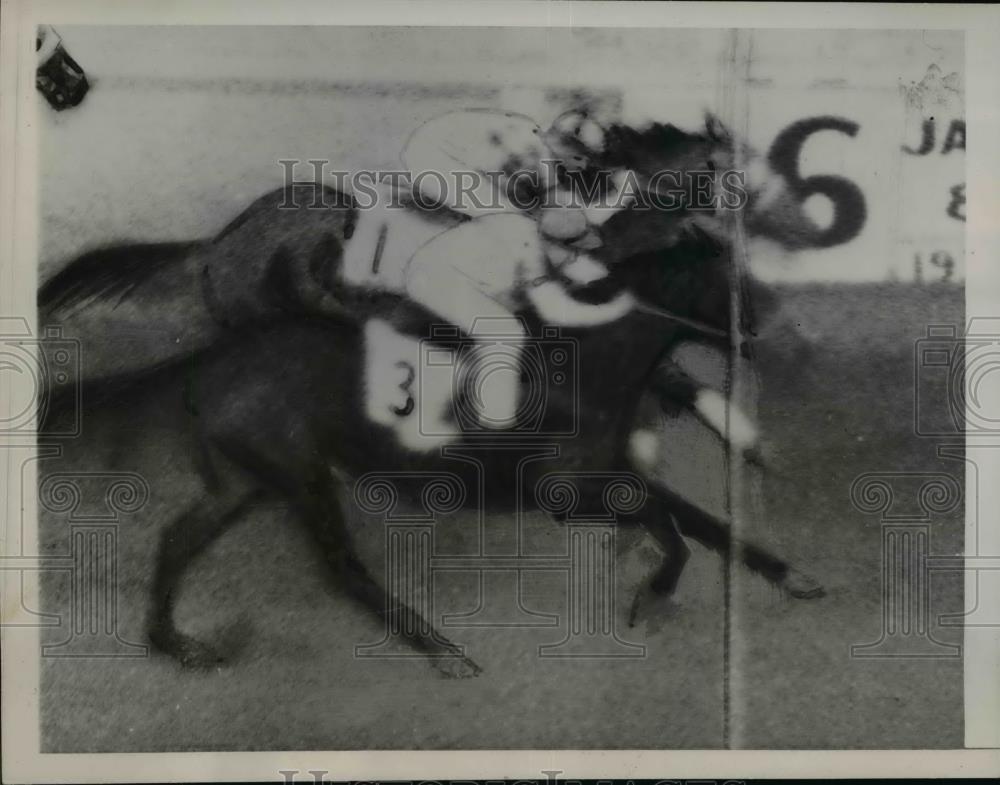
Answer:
(715, 128)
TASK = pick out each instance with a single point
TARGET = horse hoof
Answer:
(652, 604)
(633, 611)
(189, 652)
(801, 586)
(457, 666)
(200, 656)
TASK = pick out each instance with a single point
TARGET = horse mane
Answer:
(108, 273)
(656, 147)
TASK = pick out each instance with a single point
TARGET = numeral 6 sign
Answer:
(784, 220)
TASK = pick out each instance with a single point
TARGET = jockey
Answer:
(461, 261)
(524, 238)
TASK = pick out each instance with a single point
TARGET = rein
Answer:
(690, 323)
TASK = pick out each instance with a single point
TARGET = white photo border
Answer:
(22, 761)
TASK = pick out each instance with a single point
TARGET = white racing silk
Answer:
(479, 269)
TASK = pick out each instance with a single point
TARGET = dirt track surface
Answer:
(829, 412)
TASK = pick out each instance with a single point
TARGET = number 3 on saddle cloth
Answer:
(455, 269)
(401, 394)
(473, 275)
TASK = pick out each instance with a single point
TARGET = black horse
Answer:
(285, 407)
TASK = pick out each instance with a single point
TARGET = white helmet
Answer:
(575, 139)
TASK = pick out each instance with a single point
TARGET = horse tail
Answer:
(294, 197)
(108, 273)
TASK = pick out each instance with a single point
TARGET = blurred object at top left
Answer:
(59, 77)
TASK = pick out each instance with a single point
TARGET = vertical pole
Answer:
(740, 393)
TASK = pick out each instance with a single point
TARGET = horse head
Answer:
(676, 256)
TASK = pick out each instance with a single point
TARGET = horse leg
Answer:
(321, 508)
(657, 518)
(675, 390)
(714, 533)
(187, 536)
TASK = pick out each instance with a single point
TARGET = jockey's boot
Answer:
(495, 385)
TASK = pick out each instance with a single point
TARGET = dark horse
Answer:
(286, 407)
